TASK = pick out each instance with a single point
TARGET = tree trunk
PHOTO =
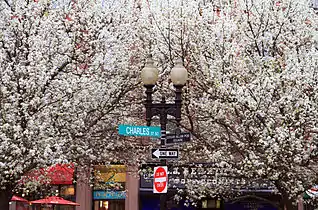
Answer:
(5, 197)
(289, 204)
(286, 203)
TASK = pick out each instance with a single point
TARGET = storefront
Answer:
(150, 201)
(256, 193)
(62, 176)
(109, 200)
(176, 180)
(58, 180)
(109, 187)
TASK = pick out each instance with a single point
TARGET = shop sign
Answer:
(109, 195)
(111, 173)
(205, 174)
(179, 175)
(108, 178)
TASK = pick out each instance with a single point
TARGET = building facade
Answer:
(116, 187)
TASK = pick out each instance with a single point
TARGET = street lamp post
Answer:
(149, 76)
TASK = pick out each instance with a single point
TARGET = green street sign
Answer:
(133, 130)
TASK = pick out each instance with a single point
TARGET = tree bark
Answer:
(5, 197)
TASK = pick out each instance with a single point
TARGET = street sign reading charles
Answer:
(133, 130)
(160, 184)
(165, 153)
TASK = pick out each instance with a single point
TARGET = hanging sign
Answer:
(181, 138)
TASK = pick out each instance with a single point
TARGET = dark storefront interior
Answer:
(256, 195)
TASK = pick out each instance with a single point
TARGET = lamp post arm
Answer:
(161, 109)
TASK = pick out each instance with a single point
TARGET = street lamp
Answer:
(149, 76)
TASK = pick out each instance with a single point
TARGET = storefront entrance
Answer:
(109, 187)
(109, 205)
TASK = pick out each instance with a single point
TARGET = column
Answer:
(12, 205)
(132, 187)
(83, 189)
(300, 202)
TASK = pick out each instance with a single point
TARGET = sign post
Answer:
(160, 184)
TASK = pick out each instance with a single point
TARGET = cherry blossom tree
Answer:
(69, 75)
(251, 100)
(68, 70)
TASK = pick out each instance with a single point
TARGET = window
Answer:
(211, 204)
(109, 205)
(67, 190)
(111, 177)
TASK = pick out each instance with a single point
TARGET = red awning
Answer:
(61, 174)
(55, 175)
(55, 201)
(17, 198)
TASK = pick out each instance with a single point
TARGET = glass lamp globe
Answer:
(149, 74)
(179, 74)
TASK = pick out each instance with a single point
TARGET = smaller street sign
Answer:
(182, 137)
(133, 130)
(165, 153)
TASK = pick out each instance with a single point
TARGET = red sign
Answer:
(160, 184)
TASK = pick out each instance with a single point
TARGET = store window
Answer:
(22, 206)
(112, 177)
(109, 187)
(109, 205)
(211, 204)
(67, 190)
